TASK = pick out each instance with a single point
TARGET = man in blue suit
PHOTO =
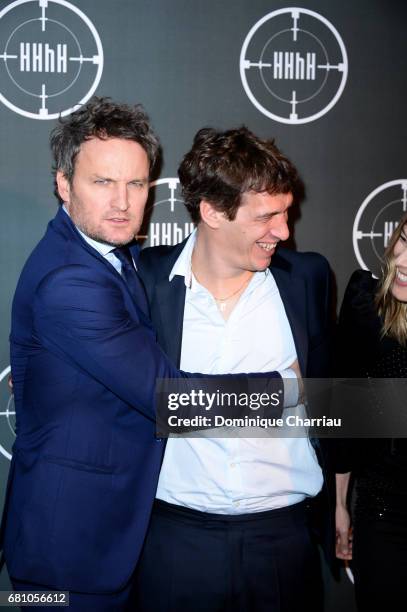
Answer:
(232, 525)
(84, 364)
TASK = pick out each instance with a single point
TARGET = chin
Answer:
(119, 238)
(263, 264)
(259, 267)
(399, 297)
(399, 293)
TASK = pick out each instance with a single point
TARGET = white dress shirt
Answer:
(238, 474)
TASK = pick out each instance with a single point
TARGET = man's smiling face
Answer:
(249, 241)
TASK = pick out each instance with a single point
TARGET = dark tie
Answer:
(131, 277)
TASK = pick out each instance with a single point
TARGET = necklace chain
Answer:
(225, 299)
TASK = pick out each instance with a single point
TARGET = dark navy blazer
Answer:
(85, 461)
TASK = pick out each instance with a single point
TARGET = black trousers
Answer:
(201, 562)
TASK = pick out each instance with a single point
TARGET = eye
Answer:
(138, 184)
(265, 218)
(403, 238)
(102, 181)
(268, 217)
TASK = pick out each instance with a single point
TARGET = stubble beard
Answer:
(86, 228)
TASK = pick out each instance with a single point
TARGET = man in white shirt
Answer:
(230, 529)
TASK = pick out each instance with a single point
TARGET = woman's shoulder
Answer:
(358, 311)
(361, 290)
(359, 325)
(363, 280)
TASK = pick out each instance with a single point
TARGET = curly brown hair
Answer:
(222, 166)
(100, 118)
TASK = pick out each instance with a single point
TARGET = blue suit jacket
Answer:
(86, 461)
(304, 283)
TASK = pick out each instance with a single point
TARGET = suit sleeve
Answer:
(320, 318)
(80, 316)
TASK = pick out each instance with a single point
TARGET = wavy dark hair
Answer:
(100, 118)
(222, 166)
(392, 311)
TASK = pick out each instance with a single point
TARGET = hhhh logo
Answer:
(52, 58)
(290, 65)
(166, 220)
(36, 57)
(293, 65)
(168, 233)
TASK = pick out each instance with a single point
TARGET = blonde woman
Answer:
(373, 342)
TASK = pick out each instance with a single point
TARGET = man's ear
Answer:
(63, 186)
(210, 215)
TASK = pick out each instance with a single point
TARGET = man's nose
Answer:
(121, 200)
(280, 229)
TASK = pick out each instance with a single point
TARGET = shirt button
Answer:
(237, 504)
(233, 465)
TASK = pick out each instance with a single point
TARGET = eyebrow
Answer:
(269, 214)
(108, 178)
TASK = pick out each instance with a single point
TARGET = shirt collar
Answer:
(100, 247)
(183, 265)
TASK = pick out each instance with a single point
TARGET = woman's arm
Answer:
(342, 518)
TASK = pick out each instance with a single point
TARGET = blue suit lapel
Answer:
(62, 224)
(293, 294)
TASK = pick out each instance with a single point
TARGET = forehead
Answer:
(264, 202)
(110, 152)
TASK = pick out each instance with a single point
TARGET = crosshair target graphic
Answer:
(7, 415)
(51, 58)
(375, 221)
(167, 221)
(293, 65)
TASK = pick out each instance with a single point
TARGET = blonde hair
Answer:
(392, 311)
